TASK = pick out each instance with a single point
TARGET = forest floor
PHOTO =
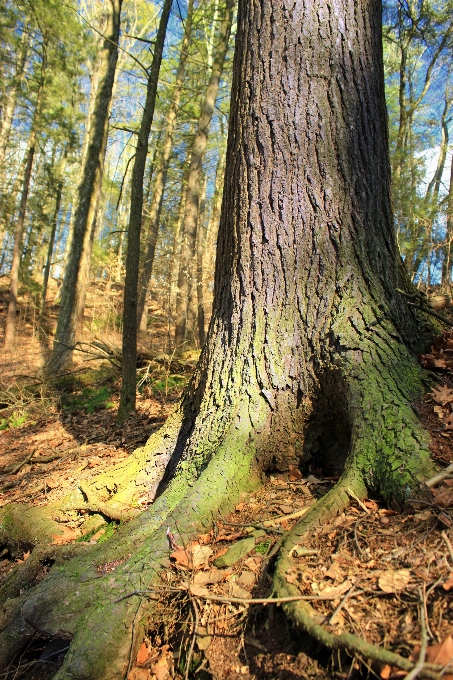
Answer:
(384, 576)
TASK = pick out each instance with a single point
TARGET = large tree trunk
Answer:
(153, 220)
(309, 355)
(88, 197)
(189, 227)
(129, 353)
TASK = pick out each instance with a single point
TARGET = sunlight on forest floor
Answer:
(367, 573)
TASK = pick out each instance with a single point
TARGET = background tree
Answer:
(88, 195)
(129, 353)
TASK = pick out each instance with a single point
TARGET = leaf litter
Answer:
(372, 562)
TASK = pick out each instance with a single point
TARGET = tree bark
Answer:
(88, 196)
(129, 353)
(309, 358)
(447, 263)
(200, 282)
(161, 177)
(189, 230)
(10, 330)
(53, 232)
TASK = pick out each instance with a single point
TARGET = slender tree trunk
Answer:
(200, 280)
(213, 224)
(88, 196)
(176, 250)
(10, 104)
(189, 234)
(447, 263)
(129, 353)
(15, 266)
(53, 232)
(161, 177)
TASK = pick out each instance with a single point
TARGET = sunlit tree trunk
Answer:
(9, 105)
(153, 219)
(129, 352)
(189, 229)
(14, 285)
(53, 231)
(199, 268)
(447, 263)
(88, 196)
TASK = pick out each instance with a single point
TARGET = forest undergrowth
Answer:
(384, 576)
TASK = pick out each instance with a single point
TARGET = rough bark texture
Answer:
(129, 353)
(88, 196)
(189, 227)
(308, 358)
(161, 176)
(200, 282)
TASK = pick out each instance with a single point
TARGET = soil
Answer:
(377, 568)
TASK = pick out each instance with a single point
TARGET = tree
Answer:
(189, 225)
(129, 353)
(88, 196)
(309, 355)
(30, 155)
(161, 178)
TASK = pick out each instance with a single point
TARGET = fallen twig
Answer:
(417, 669)
(439, 477)
(342, 603)
(357, 500)
(194, 635)
(448, 544)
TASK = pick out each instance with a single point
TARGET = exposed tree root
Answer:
(301, 612)
(78, 599)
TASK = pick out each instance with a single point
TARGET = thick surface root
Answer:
(79, 599)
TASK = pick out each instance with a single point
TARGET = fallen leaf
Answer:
(67, 535)
(286, 509)
(144, 654)
(294, 473)
(394, 581)
(291, 578)
(442, 395)
(203, 578)
(423, 516)
(335, 591)
(239, 507)
(444, 496)
(139, 674)
(247, 578)
(445, 519)
(161, 669)
(448, 584)
(253, 563)
(439, 411)
(334, 571)
(238, 591)
(201, 555)
(441, 654)
(199, 591)
(193, 556)
(372, 505)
